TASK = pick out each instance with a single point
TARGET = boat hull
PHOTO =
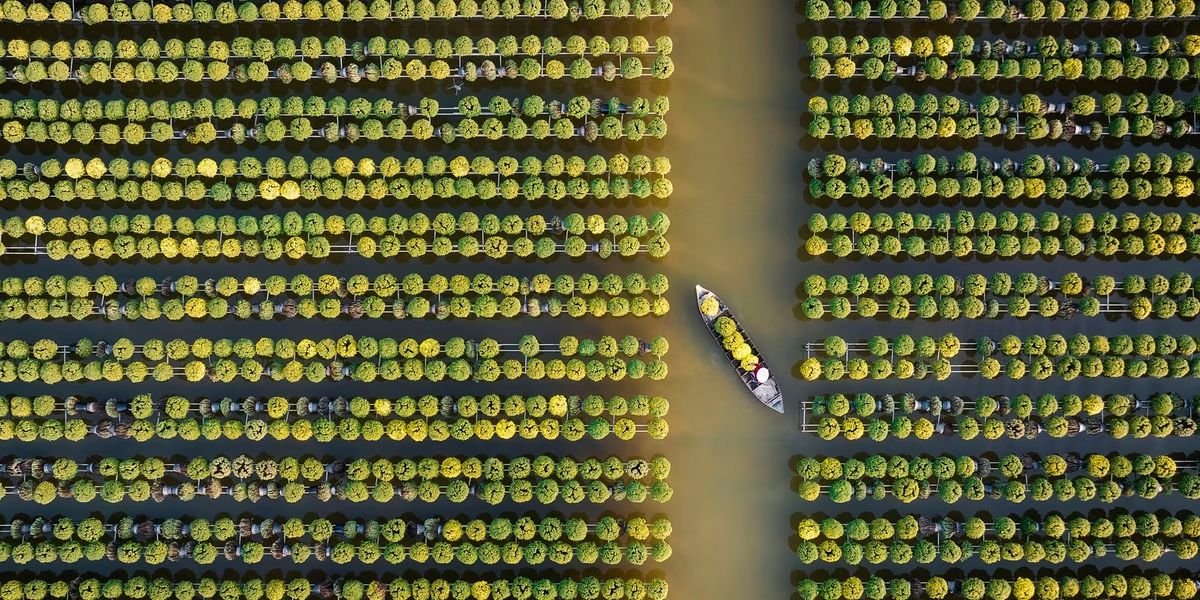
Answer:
(767, 392)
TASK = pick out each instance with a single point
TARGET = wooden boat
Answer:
(759, 381)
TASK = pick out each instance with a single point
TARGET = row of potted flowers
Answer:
(427, 418)
(1007, 11)
(335, 11)
(315, 47)
(440, 298)
(316, 235)
(608, 541)
(1072, 584)
(359, 359)
(177, 586)
(1035, 178)
(977, 296)
(294, 479)
(531, 178)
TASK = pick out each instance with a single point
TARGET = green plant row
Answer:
(969, 427)
(249, 541)
(1007, 245)
(1040, 367)
(366, 552)
(1130, 177)
(343, 11)
(196, 59)
(556, 177)
(331, 297)
(1111, 104)
(966, 164)
(419, 419)
(1023, 222)
(1092, 585)
(1109, 525)
(383, 285)
(320, 167)
(146, 407)
(1031, 117)
(75, 111)
(358, 359)
(1037, 356)
(945, 46)
(275, 119)
(1004, 234)
(266, 49)
(96, 70)
(312, 469)
(1001, 10)
(1019, 406)
(167, 71)
(1007, 539)
(1013, 478)
(1046, 58)
(1175, 68)
(1018, 417)
(945, 346)
(1097, 356)
(226, 528)
(1029, 552)
(471, 186)
(1141, 345)
(902, 357)
(193, 587)
(979, 296)
(943, 467)
(294, 479)
(316, 235)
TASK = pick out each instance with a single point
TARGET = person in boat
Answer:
(757, 375)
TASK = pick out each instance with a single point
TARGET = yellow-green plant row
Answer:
(273, 119)
(362, 359)
(490, 417)
(330, 297)
(296, 587)
(521, 541)
(317, 236)
(333, 59)
(298, 179)
(242, 478)
(251, 11)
